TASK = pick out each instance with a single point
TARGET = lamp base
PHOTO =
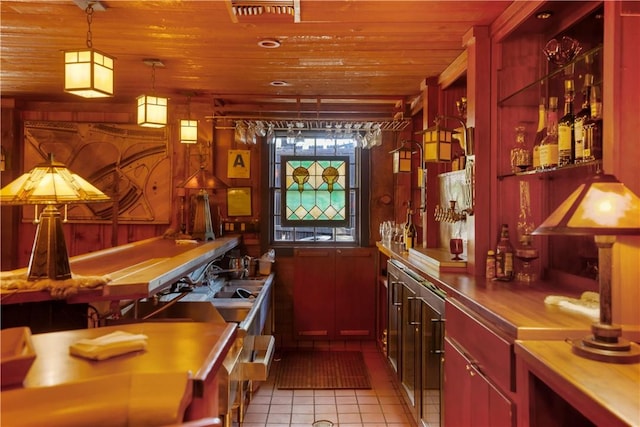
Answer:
(606, 345)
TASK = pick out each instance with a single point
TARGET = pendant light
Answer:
(188, 127)
(88, 72)
(152, 109)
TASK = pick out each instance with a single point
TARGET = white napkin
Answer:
(588, 303)
(110, 345)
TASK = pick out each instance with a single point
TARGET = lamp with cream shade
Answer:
(604, 208)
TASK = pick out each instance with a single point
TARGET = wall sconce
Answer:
(602, 207)
(50, 184)
(402, 164)
(401, 160)
(152, 110)
(88, 72)
(188, 128)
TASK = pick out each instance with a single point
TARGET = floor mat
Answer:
(322, 370)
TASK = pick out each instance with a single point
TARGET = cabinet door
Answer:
(457, 388)
(469, 397)
(395, 319)
(314, 293)
(355, 293)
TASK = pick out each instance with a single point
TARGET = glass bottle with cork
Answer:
(410, 231)
(581, 119)
(520, 154)
(504, 256)
(549, 145)
(541, 132)
(566, 136)
(593, 127)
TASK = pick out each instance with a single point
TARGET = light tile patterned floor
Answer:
(381, 406)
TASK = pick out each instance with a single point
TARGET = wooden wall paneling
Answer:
(621, 100)
(13, 160)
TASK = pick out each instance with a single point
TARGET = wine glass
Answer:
(455, 246)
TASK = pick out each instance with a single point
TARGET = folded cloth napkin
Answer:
(110, 345)
(588, 303)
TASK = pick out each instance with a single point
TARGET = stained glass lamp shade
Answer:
(50, 183)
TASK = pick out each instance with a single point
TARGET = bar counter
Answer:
(136, 270)
(195, 349)
(517, 309)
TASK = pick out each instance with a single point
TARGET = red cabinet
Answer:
(334, 293)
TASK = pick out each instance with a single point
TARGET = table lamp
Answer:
(602, 207)
(50, 184)
(202, 180)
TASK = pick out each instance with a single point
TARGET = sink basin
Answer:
(232, 309)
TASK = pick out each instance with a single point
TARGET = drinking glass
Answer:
(455, 246)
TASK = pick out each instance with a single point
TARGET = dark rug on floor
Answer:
(322, 370)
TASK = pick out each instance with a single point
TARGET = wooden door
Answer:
(355, 293)
(314, 293)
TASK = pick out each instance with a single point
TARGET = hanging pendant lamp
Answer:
(88, 72)
(152, 109)
(188, 127)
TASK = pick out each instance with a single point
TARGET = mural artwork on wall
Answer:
(128, 163)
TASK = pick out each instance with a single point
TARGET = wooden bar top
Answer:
(516, 309)
(196, 347)
(606, 393)
(137, 270)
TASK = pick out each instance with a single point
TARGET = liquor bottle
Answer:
(520, 154)
(566, 137)
(549, 145)
(593, 127)
(410, 231)
(581, 118)
(490, 269)
(504, 256)
(540, 134)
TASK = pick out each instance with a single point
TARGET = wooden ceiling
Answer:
(343, 56)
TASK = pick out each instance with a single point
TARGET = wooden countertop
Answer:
(516, 309)
(137, 270)
(607, 394)
(196, 347)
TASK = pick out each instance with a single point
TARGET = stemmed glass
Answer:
(455, 246)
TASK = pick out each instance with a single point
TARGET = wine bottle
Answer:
(549, 145)
(540, 134)
(593, 127)
(581, 118)
(504, 256)
(410, 231)
(566, 137)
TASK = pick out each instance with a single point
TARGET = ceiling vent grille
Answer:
(264, 10)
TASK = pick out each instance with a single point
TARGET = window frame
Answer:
(359, 203)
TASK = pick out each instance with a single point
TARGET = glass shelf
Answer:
(596, 164)
(579, 62)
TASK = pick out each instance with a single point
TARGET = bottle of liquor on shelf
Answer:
(581, 118)
(593, 127)
(566, 136)
(540, 134)
(549, 145)
(520, 154)
(490, 268)
(410, 231)
(504, 256)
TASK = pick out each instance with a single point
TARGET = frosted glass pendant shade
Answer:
(152, 111)
(88, 73)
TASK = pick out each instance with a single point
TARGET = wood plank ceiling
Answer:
(348, 57)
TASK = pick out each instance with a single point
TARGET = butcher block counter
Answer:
(135, 270)
(195, 350)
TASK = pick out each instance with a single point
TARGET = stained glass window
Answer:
(315, 190)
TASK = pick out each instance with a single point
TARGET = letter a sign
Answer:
(239, 165)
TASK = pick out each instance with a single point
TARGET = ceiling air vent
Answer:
(264, 10)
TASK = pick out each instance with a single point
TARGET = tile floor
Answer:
(381, 406)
